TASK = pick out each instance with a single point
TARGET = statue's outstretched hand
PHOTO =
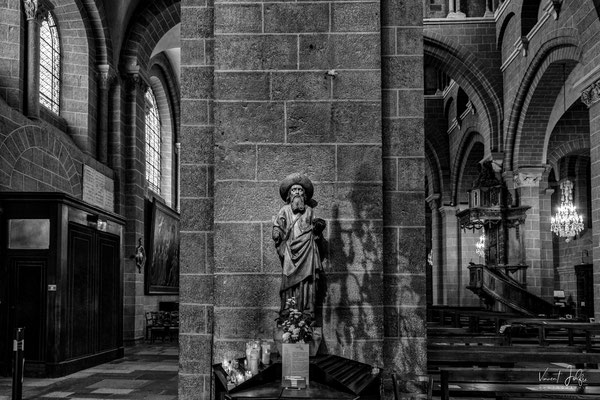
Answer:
(276, 234)
(319, 226)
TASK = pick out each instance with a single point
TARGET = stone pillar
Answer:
(135, 180)
(531, 185)
(34, 11)
(489, 9)
(197, 272)
(591, 98)
(468, 239)
(178, 172)
(451, 6)
(104, 79)
(437, 247)
(455, 12)
(451, 257)
(405, 333)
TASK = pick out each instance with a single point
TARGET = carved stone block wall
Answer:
(298, 89)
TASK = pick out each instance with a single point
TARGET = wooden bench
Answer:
(508, 383)
(546, 327)
(507, 355)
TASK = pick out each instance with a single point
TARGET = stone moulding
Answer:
(591, 94)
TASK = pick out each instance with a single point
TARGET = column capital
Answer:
(448, 211)
(135, 81)
(105, 74)
(433, 201)
(36, 9)
(591, 94)
(529, 176)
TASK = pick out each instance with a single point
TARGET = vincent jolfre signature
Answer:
(571, 377)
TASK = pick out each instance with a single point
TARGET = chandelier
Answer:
(566, 222)
(480, 246)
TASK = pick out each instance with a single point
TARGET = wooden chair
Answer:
(399, 395)
(151, 321)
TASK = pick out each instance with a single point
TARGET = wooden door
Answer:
(110, 321)
(27, 303)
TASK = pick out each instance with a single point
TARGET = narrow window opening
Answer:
(153, 142)
(49, 64)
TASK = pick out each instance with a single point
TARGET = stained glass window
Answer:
(49, 64)
(153, 142)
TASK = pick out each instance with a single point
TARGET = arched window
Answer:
(49, 64)
(153, 141)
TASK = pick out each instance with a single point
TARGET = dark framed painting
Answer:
(162, 271)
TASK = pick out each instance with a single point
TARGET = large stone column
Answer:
(591, 98)
(34, 11)
(133, 285)
(531, 185)
(405, 347)
(104, 77)
(451, 256)
(196, 294)
(437, 249)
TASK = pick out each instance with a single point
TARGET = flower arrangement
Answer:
(296, 325)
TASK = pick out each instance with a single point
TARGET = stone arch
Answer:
(469, 140)
(563, 47)
(434, 168)
(503, 31)
(437, 156)
(578, 146)
(39, 159)
(529, 15)
(152, 21)
(83, 35)
(98, 26)
(467, 71)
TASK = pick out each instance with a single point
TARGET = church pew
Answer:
(508, 383)
(507, 356)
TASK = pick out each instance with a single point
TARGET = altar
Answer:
(331, 377)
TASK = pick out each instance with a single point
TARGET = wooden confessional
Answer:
(61, 268)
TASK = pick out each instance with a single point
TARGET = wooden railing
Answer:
(494, 286)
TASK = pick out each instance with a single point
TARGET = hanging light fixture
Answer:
(480, 246)
(566, 222)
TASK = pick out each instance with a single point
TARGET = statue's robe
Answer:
(299, 255)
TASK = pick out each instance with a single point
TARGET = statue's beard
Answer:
(297, 204)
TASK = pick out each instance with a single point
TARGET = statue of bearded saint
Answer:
(298, 239)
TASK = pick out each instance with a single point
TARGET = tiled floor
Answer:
(148, 371)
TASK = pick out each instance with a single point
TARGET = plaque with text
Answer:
(98, 189)
(294, 362)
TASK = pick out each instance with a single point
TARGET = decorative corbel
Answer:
(591, 94)
(524, 42)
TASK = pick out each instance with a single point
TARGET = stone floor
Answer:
(148, 371)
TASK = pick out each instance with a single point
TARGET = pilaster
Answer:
(530, 184)
(437, 247)
(590, 96)
(451, 257)
(105, 76)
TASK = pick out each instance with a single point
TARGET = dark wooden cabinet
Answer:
(62, 260)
